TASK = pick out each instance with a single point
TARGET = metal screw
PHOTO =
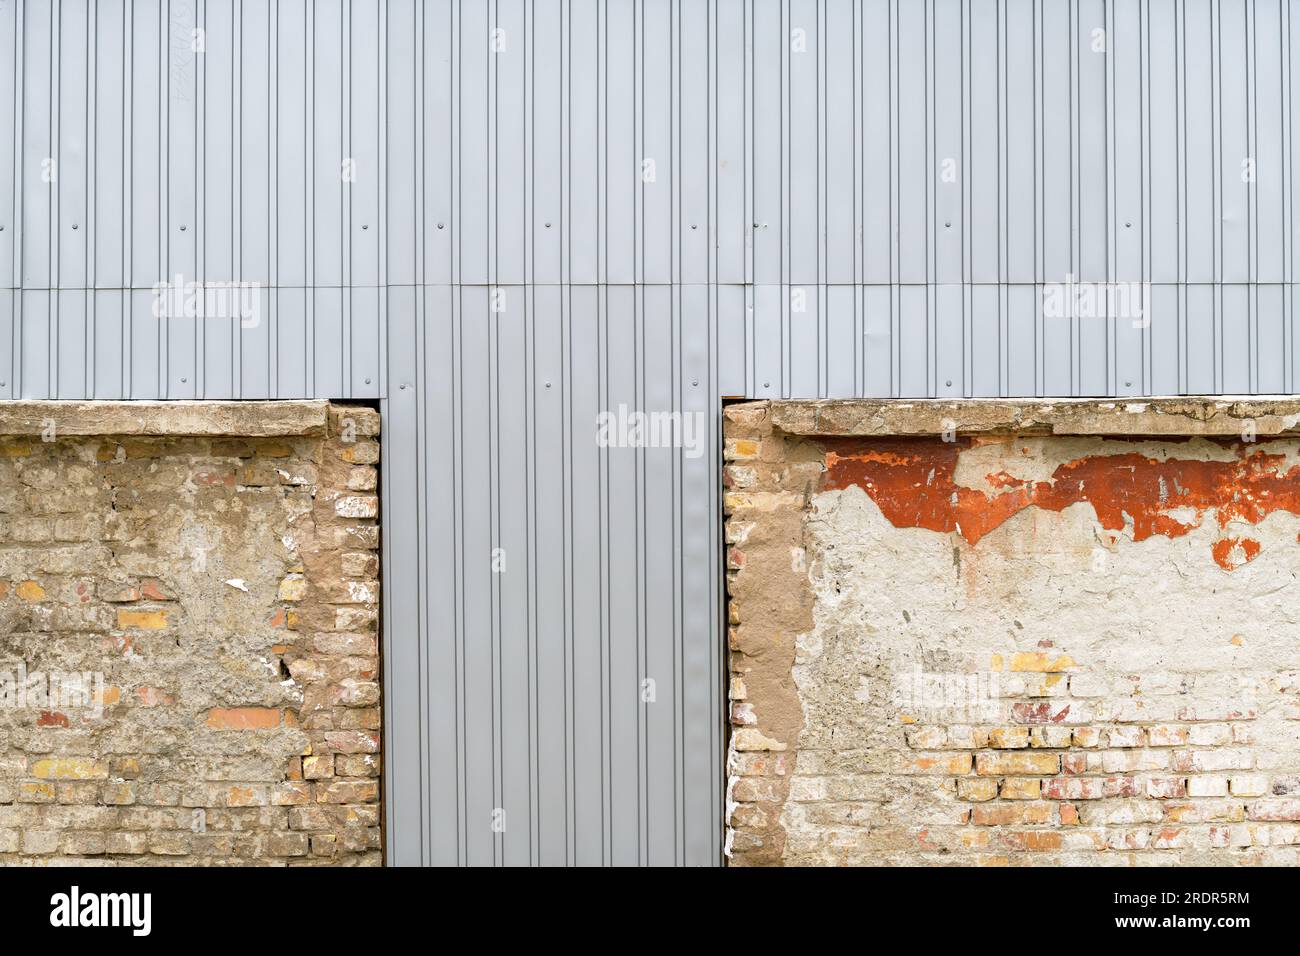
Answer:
(184, 380)
(182, 228)
(1128, 225)
(439, 225)
(947, 225)
(695, 381)
(548, 225)
(364, 226)
(767, 385)
(402, 387)
(548, 384)
(693, 226)
(948, 383)
(74, 225)
(367, 381)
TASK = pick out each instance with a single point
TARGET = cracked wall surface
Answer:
(188, 619)
(980, 635)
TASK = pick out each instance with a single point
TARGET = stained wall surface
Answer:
(189, 669)
(1012, 647)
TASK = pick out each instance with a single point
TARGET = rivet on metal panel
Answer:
(439, 225)
(364, 226)
(695, 381)
(367, 381)
(74, 225)
(182, 228)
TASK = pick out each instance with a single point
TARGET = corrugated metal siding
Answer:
(778, 173)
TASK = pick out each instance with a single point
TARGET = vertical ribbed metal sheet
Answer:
(502, 267)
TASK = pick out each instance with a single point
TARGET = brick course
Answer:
(226, 588)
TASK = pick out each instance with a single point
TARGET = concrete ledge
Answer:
(181, 418)
(1226, 416)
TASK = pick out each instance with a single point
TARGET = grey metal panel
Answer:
(8, 330)
(546, 125)
(11, 90)
(1165, 174)
(912, 157)
(585, 228)
(768, 107)
(1019, 234)
(1128, 150)
(1238, 166)
(803, 100)
(656, 217)
(969, 235)
(620, 115)
(695, 126)
(1091, 136)
(38, 169)
(841, 190)
(293, 146)
(1268, 211)
(987, 305)
(879, 125)
(551, 687)
(516, 161)
(1056, 173)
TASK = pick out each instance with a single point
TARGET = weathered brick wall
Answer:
(226, 589)
(1025, 644)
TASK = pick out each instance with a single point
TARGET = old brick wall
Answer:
(992, 635)
(215, 571)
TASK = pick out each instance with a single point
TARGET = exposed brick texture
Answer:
(1013, 650)
(226, 589)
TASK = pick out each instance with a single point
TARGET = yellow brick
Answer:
(1026, 763)
(30, 591)
(954, 764)
(1020, 788)
(69, 768)
(35, 792)
(141, 620)
(293, 588)
(1009, 738)
(977, 788)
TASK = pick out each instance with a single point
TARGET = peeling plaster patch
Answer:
(1232, 553)
(913, 481)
